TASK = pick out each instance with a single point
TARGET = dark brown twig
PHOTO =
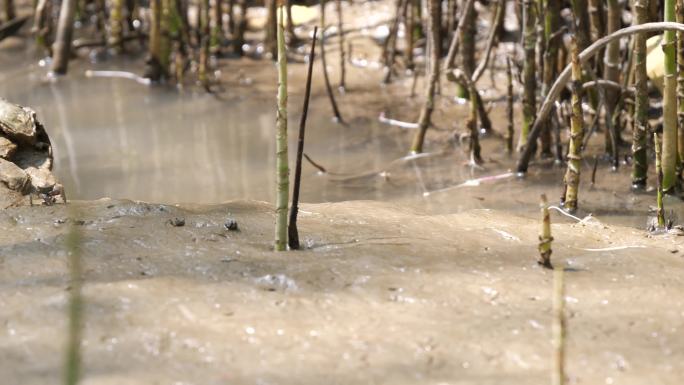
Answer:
(316, 165)
(453, 46)
(292, 233)
(328, 87)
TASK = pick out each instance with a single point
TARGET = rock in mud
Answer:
(231, 224)
(14, 177)
(41, 178)
(25, 158)
(7, 148)
(177, 222)
(18, 123)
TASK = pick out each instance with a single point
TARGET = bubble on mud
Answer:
(277, 281)
(490, 292)
(569, 299)
(402, 299)
(309, 243)
(250, 330)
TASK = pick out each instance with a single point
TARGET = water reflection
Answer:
(114, 137)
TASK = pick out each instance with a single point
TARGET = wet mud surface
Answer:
(380, 294)
(423, 270)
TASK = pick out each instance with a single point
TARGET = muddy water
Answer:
(116, 138)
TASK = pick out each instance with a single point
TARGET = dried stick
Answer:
(292, 233)
(62, 47)
(390, 48)
(471, 124)
(316, 165)
(509, 108)
(340, 34)
(453, 45)
(328, 87)
(424, 119)
(496, 21)
(545, 237)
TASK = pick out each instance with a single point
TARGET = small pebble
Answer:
(177, 222)
(231, 224)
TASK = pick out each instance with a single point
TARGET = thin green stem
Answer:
(282, 169)
(669, 152)
(72, 365)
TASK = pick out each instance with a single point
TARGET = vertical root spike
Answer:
(558, 327)
(545, 237)
(293, 233)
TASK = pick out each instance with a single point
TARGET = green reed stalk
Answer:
(669, 152)
(611, 71)
(429, 103)
(660, 212)
(202, 70)
(72, 365)
(640, 134)
(510, 132)
(282, 170)
(679, 9)
(550, 57)
(529, 99)
(558, 328)
(572, 175)
(545, 237)
(116, 26)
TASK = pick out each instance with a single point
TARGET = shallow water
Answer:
(113, 137)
